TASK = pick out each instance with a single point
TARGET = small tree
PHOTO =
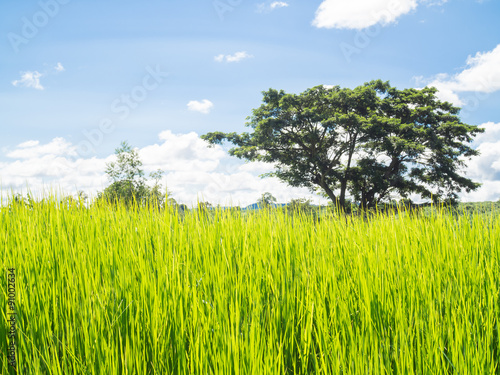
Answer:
(266, 200)
(126, 176)
(82, 196)
(204, 206)
(300, 204)
(17, 201)
(128, 184)
(155, 193)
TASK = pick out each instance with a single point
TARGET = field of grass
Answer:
(105, 290)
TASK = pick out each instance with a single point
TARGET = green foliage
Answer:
(204, 209)
(82, 196)
(203, 206)
(374, 142)
(301, 205)
(19, 200)
(155, 193)
(109, 290)
(478, 208)
(128, 184)
(266, 200)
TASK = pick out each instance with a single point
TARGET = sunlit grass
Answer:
(106, 290)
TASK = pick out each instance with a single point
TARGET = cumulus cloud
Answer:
(481, 75)
(42, 167)
(33, 149)
(485, 168)
(205, 106)
(360, 14)
(28, 144)
(29, 79)
(193, 171)
(188, 150)
(236, 57)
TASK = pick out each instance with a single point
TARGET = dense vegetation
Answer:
(111, 289)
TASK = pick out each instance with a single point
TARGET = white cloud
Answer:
(360, 14)
(29, 79)
(195, 171)
(481, 75)
(278, 4)
(32, 78)
(33, 149)
(44, 167)
(189, 151)
(192, 171)
(204, 106)
(270, 6)
(485, 168)
(237, 57)
(28, 144)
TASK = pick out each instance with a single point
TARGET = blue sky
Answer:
(78, 77)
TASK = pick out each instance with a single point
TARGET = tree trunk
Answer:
(343, 184)
(329, 192)
(370, 200)
(343, 188)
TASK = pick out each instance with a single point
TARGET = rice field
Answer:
(106, 290)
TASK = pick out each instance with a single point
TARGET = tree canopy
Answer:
(266, 200)
(128, 184)
(372, 142)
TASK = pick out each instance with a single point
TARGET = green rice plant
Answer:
(107, 289)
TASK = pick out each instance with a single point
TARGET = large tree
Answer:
(371, 142)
